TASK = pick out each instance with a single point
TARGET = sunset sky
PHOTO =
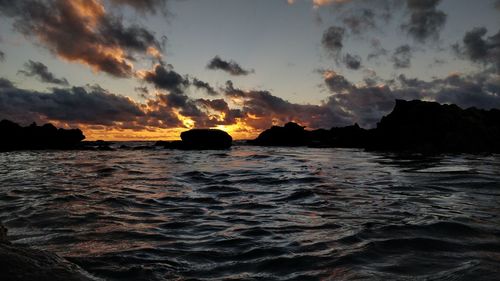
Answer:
(149, 69)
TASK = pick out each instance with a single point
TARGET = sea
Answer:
(257, 213)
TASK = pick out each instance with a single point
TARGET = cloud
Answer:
(366, 104)
(252, 110)
(479, 49)
(230, 67)
(360, 21)
(82, 31)
(91, 105)
(319, 3)
(5, 84)
(164, 77)
(352, 61)
(401, 56)
(262, 110)
(2, 56)
(204, 86)
(377, 50)
(40, 71)
(335, 82)
(144, 5)
(426, 21)
(142, 91)
(332, 40)
(94, 106)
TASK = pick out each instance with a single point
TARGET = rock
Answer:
(350, 137)
(206, 139)
(291, 134)
(21, 263)
(431, 127)
(16, 137)
(161, 143)
(413, 126)
(173, 145)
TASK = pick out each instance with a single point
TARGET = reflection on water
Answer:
(258, 213)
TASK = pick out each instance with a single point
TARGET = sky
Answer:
(150, 69)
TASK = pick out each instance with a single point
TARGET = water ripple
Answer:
(258, 213)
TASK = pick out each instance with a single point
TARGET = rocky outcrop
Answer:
(21, 263)
(200, 139)
(432, 127)
(413, 126)
(350, 137)
(16, 137)
(293, 134)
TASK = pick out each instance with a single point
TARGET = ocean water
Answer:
(257, 213)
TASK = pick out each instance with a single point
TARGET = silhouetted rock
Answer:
(413, 126)
(161, 143)
(291, 134)
(350, 136)
(173, 144)
(16, 137)
(432, 127)
(21, 263)
(200, 139)
(206, 139)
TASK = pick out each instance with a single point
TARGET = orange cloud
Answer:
(83, 31)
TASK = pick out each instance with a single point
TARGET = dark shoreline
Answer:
(19, 262)
(412, 127)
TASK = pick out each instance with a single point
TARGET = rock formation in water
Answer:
(289, 135)
(200, 139)
(432, 127)
(16, 137)
(21, 263)
(413, 126)
(293, 134)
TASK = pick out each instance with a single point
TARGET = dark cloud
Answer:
(352, 61)
(376, 50)
(336, 83)
(2, 56)
(79, 105)
(41, 72)
(230, 67)
(401, 56)
(5, 84)
(479, 48)
(262, 110)
(204, 113)
(497, 4)
(221, 106)
(142, 91)
(426, 21)
(480, 90)
(164, 77)
(144, 5)
(360, 21)
(82, 31)
(98, 107)
(204, 86)
(332, 40)
(366, 104)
